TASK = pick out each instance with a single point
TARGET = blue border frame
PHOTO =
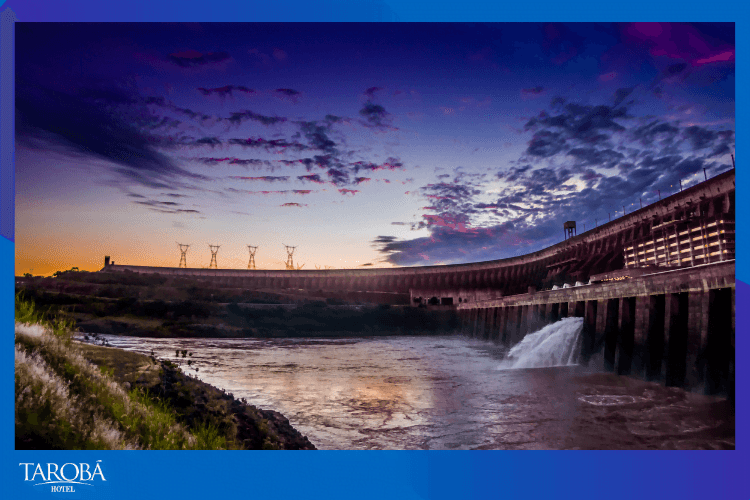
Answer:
(378, 474)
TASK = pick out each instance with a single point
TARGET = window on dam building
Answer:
(684, 242)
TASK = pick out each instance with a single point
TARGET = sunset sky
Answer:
(360, 144)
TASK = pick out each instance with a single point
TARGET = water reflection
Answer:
(444, 393)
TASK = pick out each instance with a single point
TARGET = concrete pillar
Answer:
(518, 326)
(524, 327)
(610, 333)
(554, 313)
(495, 323)
(601, 318)
(483, 323)
(563, 310)
(719, 353)
(655, 337)
(694, 362)
(626, 336)
(534, 319)
(677, 344)
(504, 315)
(490, 322)
(511, 325)
(639, 335)
(474, 321)
(589, 331)
(579, 308)
(571, 309)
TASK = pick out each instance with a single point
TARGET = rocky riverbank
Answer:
(198, 403)
(73, 395)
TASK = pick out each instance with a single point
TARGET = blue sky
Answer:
(361, 144)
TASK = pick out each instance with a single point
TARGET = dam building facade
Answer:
(655, 288)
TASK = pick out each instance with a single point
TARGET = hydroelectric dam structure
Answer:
(655, 288)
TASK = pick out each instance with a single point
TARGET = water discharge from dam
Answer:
(557, 344)
(450, 392)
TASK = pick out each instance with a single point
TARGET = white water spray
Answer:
(557, 344)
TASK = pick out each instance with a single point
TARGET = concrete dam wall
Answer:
(655, 288)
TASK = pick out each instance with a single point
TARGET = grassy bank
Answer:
(78, 396)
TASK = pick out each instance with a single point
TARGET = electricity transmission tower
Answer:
(183, 252)
(252, 249)
(214, 251)
(289, 261)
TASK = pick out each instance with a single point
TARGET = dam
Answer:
(655, 288)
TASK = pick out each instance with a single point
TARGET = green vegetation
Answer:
(53, 318)
(159, 306)
(80, 396)
(320, 319)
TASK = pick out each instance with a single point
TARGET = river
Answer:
(450, 392)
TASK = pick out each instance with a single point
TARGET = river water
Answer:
(450, 392)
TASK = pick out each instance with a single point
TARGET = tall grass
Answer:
(65, 402)
(58, 322)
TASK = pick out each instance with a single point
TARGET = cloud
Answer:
(448, 245)
(322, 161)
(622, 94)
(656, 133)
(236, 161)
(545, 143)
(293, 205)
(370, 93)
(165, 207)
(533, 91)
(725, 56)
(345, 191)
(317, 136)
(360, 180)
(285, 191)
(601, 158)
(582, 124)
(311, 178)
(225, 91)
(376, 116)
(202, 118)
(338, 176)
(682, 41)
(208, 141)
(290, 94)
(702, 138)
(81, 127)
(264, 178)
(582, 163)
(391, 163)
(268, 145)
(238, 117)
(193, 58)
